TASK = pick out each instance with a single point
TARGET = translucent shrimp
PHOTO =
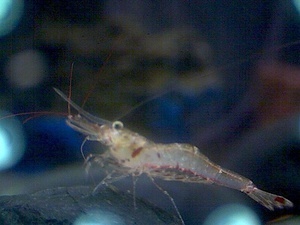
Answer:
(134, 154)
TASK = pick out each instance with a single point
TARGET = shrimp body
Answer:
(177, 162)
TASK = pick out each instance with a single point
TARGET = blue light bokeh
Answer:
(98, 217)
(10, 13)
(12, 142)
(232, 214)
(297, 4)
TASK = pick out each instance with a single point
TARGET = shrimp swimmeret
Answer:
(136, 154)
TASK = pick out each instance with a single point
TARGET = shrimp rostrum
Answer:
(174, 162)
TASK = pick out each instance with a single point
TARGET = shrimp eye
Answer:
(117, 125)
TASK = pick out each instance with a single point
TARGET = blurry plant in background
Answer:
(193, 55)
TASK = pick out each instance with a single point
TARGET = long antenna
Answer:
(70, 88)
(95, 83)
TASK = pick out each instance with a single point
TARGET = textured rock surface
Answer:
(77, 205)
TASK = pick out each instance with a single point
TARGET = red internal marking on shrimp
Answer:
(136, 152)
(178, 162)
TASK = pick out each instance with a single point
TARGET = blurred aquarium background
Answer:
(221, 75)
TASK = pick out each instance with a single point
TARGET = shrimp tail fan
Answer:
(269, 200)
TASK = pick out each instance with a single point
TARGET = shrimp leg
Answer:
(169, 196)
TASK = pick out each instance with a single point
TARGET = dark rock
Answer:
(73, 205)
